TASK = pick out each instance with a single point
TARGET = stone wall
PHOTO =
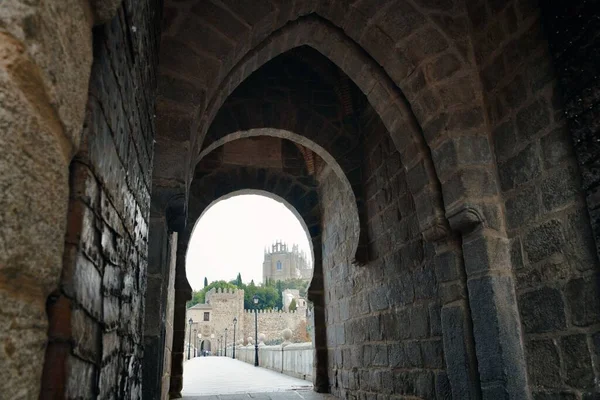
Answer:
(383, 319)
(97, 312)
(271, 323)
(571, 28)
(43, 86)
(552, 250)
(159, 307)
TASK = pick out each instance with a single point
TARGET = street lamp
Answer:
(234, 323)
(195, 343)
(225, 342)
(191, 321)
(255, 299)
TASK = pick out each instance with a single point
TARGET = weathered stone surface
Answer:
(583, 299)
(543, 363)
(458, 354)
(543, 240)
(497, 335)
(397, 141)
(43, 87)
(576, 357)
(484, 253)
(520, 168)
(542, 310)
(532, 119)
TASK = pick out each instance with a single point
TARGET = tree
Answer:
(267, 297)
(239, 280)
(293, 306)
(205, 282)
(197, 297)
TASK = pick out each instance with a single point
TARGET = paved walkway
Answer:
(212, 376)
(289, 395)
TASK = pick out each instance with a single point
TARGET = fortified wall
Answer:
(223, 305)
(272, 323)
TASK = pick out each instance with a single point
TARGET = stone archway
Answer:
(403, 146)
(304, 205)
(493, 188)
(205, 345)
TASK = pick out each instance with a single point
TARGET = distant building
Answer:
(209, 320)
(282, 264)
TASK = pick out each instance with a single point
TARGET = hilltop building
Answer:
(282, 264)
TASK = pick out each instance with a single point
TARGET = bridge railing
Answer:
(295, 359)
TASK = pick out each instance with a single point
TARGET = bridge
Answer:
(212, 378)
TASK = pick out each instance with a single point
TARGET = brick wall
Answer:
(96, 314)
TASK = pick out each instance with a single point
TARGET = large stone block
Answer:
(486, 253)
(520, 168)
(583, 298)
(560, 188)
(533, 119)
(497, 333)
(447, 266)
(418, 322)
(542, 310)
(458, 354)
(543, 240)
(523, 208)
(577, 361)
(543, 363)
(432, 354)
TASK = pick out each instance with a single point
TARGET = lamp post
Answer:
(221, 345)
(225, 342)
(234, 323)
(255, 299)
(191, 321)
(195, 344)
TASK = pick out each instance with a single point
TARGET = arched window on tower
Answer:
(278, 265)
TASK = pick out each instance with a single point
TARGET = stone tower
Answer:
(281, 263)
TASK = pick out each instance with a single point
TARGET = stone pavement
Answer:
(225, 378)
(286, 395)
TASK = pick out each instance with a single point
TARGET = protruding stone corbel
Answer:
(465, 219)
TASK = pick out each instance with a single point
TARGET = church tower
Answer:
(281, 263)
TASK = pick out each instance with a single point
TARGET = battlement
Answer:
(270, 312)
(227, 293)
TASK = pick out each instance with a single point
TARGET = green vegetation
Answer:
(269, 294)
(198, 296)
(293, 306)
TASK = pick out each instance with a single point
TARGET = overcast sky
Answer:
(231, 237)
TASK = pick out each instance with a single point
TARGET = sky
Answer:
(231, 236)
